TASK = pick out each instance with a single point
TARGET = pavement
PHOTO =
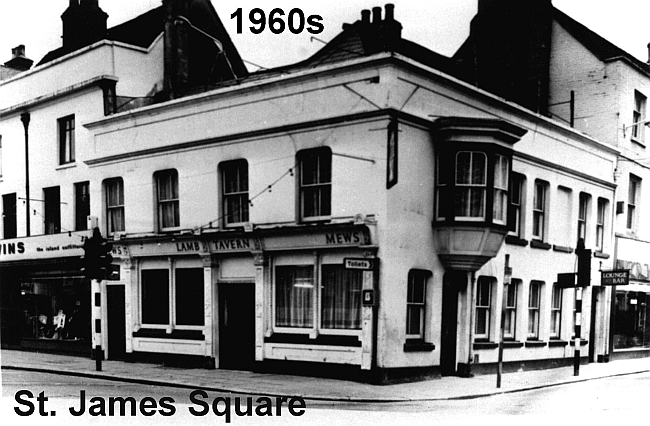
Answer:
(252, 383)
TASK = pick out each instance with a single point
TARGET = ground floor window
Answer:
(483, 308)
(183, 287)
(631, 328)
(338, 298)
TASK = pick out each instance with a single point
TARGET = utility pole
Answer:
(507, 278)
(584, 279)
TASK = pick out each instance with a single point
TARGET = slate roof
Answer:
(140, 31)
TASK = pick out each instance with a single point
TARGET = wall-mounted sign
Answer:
(368, 297)
(618, 277)
(113, 273)
(359, 263)
(566, 280)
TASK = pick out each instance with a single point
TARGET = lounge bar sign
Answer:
(617, 277)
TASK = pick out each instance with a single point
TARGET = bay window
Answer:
(471, 184)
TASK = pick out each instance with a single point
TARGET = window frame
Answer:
(601, 218)
(322, 154)
(237, 167)
(638, 116)
(471, 187)
(501, 192)
(52, 213)
(81, 205)
(540, 210)
(9, 220)
(532, 331)
(634, 188)
(67, 139)
(421, 306)
(516, 200)
(556, 312)
(172, 175)
(510, 309)
(583, 215)
(110, 208)
(482, 309)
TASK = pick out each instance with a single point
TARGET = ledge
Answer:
(557, 342)
(485, 345)
(512, 344)
(583, 342)
(562, 249)
(418, 346)
(321, 339)
(535, 343)
(601, 255)
(540, 245)
(516, 241)
(174, 335)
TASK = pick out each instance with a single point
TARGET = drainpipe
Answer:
(24, 117)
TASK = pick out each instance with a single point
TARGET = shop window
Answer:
(185, 294)
(52, 206)
(315, 184)
(600, 223)
(510, 317)
(66, 140)
(515, 216)
(234, 175)
(294, 302)
(583, 211)
(631, 327)
(534, 297)
(633, 201)
(556, 311)
(114, 190)
(483, 308)
(539, 209)
(81, 205)
(341, 298)
(168, 203)
(471, 184)
(416, 304)
(9, 222)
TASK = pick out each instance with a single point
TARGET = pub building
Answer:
(45, 298)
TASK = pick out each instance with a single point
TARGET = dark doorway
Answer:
(451, 284)
(116, 322)
(236, 326)
(592, 324)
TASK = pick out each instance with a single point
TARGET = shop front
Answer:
(45, 298)
(240, 299)
(631, 305)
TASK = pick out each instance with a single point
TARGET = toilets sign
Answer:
(618, 277)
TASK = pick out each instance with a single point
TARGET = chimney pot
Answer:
(18, 51)
(376, 15)
(390, 12)
(365, 16)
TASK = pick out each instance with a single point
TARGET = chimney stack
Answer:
(378, 35)
(18, 60)
(84, 23)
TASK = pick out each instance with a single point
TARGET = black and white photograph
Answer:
(343, 212)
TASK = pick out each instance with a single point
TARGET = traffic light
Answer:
(97, 256)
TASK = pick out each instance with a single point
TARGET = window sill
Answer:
(557, 342)
(601, 255)
(321, 339)
(516, 241)
(638, 142)
(540, 245)
(66, 166)
(583, 342)
(535, 343)
(418, 346)
(485, 345)
(562, 249)
(507, 344)
(161, 333)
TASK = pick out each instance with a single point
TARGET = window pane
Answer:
(189, 296)
(341, 293)
(414, 319)
(294, 286)
(479, 166)
(463, 173)
(155, 296)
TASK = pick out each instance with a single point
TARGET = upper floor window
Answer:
(234, 175)
(515, 216)
(638, 116)
(534, 297)
(168, 203)
(114, 190)
(416, 304)
(556, 311)
(81, 205)
(501, 172)
(583, 207)
(9, 223)
(315, 184)
(510, 314)
(539, 209)
(66, 140)
(633, 201)
(600, 223)
(471, 184)
(52, 205)
(483, 307)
